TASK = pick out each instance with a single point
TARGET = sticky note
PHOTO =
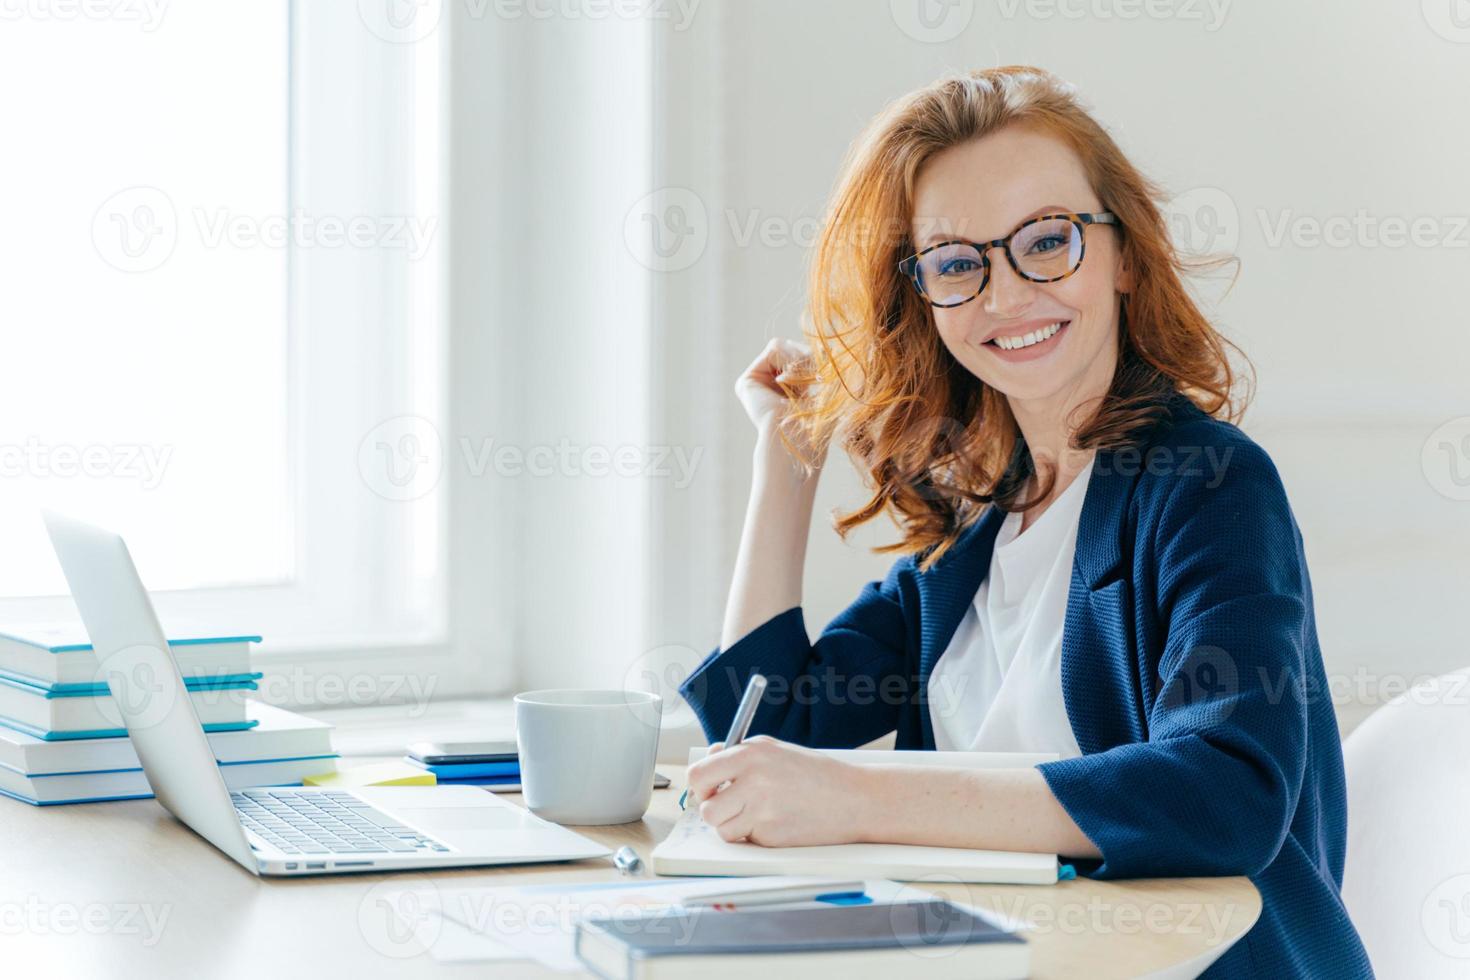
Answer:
(374, 774)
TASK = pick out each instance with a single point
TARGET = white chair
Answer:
(1407, 878)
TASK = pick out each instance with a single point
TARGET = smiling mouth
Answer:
(1030, 339)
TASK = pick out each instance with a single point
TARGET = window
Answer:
(221, 317)
(148, 353)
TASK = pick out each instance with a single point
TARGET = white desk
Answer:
(61, 865)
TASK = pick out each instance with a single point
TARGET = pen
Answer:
(744, 715)
(779, 895)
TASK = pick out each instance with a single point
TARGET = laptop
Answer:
(288, 830)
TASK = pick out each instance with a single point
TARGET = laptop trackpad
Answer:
(509, 833)
(444, 818)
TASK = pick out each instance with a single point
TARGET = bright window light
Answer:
(146, 284)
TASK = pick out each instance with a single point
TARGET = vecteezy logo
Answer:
(400, 918)
(135, 230)
(925, 929)
(1203, 221)
(932, 21)
(1446, 459)
(402, 458)
(400, 21)
(661, 671)
(1450, 19)
(1208, 677)
(1445, 917)
(142, 692)
(667, 230)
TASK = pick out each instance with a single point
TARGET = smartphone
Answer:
(453, 753)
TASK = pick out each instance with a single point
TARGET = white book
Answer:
(278, 734)
(61, 654)
(125, 784)
(694, 848)
(52, 715)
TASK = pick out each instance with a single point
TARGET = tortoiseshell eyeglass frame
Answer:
(910, 266)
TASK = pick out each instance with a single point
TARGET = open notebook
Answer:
(693, 847)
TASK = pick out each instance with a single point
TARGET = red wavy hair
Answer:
(933, 443)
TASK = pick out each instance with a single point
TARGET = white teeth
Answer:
(1034, 337)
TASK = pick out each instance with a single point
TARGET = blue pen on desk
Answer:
(827, 892)
(744, 715)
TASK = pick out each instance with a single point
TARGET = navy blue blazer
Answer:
(1190, 671)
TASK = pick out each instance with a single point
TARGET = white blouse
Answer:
(998, 685)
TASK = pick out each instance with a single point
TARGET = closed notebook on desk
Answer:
(933, 939)
(694, 848)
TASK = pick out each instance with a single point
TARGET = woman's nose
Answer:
(1008, 294)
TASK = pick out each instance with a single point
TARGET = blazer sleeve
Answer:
(1213, 789)
(841, 691)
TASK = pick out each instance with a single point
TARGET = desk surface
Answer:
(77, 884)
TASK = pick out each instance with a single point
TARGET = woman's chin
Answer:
(1028, 386)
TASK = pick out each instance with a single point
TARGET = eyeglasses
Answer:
(1043, 249)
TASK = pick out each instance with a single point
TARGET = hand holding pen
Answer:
(744, 715)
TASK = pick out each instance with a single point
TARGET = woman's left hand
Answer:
(780, 794)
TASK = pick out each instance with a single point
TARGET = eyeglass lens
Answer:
(1043, 250)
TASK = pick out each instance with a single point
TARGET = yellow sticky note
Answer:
(374, 774)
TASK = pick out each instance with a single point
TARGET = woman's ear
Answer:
(1125, 278)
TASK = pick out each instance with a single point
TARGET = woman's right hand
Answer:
(783, 486)
(759, 387)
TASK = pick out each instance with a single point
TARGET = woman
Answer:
(1096, 561)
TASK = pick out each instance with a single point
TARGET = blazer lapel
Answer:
(945, 592)
(1099, 686)
(1100, 689)
(948, 589)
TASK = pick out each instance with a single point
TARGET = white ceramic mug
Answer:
(587, 756)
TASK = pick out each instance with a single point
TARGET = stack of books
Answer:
(62, 739)
(494, 766)
(496, 769)
(502, 775)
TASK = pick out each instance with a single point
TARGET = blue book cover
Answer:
(513, 782)
(49, 735)
(53, 789)
(468, 770)
(51, 689)
(61, 655)
(51, 714)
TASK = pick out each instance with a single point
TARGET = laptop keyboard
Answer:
(327, 823)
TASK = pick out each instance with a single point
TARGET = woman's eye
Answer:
(958, 267)
(1048, 244)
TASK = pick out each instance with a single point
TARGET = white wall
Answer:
(549, 325)
(1295, 111)
(1250, 113)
